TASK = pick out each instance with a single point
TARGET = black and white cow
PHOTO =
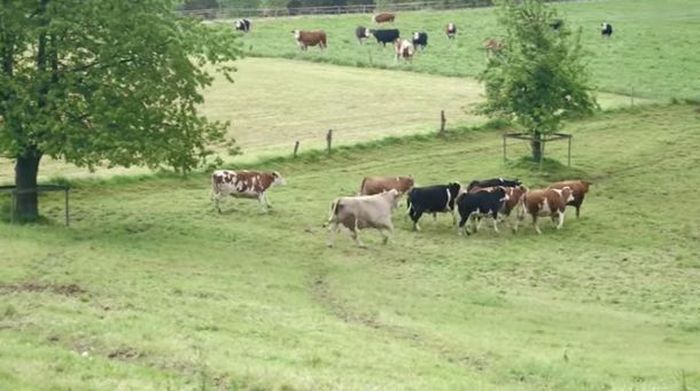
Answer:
(385, 36)
(481, 184)
(606, 30)
(361, 33)
(242, 25)
(481, 203)
(420, 39)
(432, 199)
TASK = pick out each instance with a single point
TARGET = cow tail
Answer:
(332, 213)
(362, 185)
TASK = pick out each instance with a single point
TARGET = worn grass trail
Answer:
(151, 289)
(652, 52)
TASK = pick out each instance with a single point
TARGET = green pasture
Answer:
(151, 289)
(653, 52)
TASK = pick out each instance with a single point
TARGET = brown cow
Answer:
(545, 202)
(310, 38)
(360, 212)
(244, 184)
(493, 46)
(580, 188)
(383, 17)
(377, 184)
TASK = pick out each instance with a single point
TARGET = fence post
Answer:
(504, 149)
(442, 122)
(67, 213)
(570, 137)
(296, 148)
(329, 140)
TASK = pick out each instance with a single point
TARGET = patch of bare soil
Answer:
(32, 287)
(124, 353)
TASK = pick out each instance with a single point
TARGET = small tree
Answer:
(539, 77)
(105, 82)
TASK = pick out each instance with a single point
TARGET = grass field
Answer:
(151, 289)
(269, 110)
(653, 52)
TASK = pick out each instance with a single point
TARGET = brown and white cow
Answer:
(545, 202)
(493, 46)
(356, 213)
(243, 184)
(383, 17)
(403, 48)
(310, 38)
(451, 30)
(580, 188)
(376, 184)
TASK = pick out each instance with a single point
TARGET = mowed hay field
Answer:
(275, 102)
(653, 52)
(151, 289)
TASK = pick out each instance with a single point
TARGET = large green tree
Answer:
(112, 82)
(539, 78)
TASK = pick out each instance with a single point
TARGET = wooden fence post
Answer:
(296, 148)
(329, 140)
(442, 122)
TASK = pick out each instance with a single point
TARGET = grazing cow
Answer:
(432, 199)
(310, 38)
(493, 46)
(556, 24)
(606, 30)
(361, 33)
(376, 184)
(384, 17)
(451, 30)
(420, 39)
(475, 185)
(385, 36)
(403, 48)
(579, 189)
(545, 202)
(242, 25)
(244, 184)
(481, 203)
(356, 213)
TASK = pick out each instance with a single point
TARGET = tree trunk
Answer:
(26, 207)
(536, 145)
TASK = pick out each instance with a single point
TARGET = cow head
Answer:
(586, 185)
(416, 35)
(237, 24)
(277, 179)
(567, 194)
(367, 32)
(393, 196)
(297, 34)
(454, 188)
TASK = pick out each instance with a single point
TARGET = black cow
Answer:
(242, 25)
(385, 36)
(432, 199)
(606, 30)
(556, 24)
(420, 39)
(361, 33)
(492, 183)
(480, 203)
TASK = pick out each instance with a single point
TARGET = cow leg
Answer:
(385, 234)
(415, 215)
(462, 224)
(217, 201)
(495, 221)
(477, 226)
(262, 201)
(534, 223)
(355, 232)
(267, 202)
(561, 219)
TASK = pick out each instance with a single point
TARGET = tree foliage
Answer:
(106, 82)
(539, 78)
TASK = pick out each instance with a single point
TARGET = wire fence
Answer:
(231, 12)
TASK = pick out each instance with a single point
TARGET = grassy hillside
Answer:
(652, 53)
(150, 289)
(269, 111)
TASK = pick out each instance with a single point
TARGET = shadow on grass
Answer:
(551, 170)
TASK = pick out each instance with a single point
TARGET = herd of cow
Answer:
(496, 198)
(403, 48)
